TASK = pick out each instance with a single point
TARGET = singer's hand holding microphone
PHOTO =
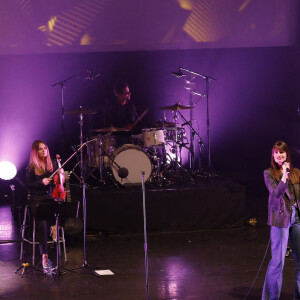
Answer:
(286, 167)
(286, 171)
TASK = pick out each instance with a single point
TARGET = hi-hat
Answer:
(111, 129)
(81, 112)
(176, 107)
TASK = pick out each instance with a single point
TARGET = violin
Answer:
(59, 192)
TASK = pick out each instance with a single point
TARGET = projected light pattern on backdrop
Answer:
(34, 26)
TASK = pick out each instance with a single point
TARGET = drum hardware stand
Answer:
(175, 118)
(158, 177)
(200, 142)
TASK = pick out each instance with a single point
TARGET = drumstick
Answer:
(131, 126)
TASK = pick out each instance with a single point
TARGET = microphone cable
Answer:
(259, 269)
(261, 264)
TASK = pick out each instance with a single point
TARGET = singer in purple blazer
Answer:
(282, 181)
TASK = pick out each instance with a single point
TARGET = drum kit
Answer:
(156, 151)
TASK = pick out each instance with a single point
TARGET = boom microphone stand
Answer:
(207, 80)
(85, 264)
(89, 75)
(62, 86)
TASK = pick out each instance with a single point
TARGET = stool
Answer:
(33, 242)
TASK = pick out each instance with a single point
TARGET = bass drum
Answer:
(135, 160)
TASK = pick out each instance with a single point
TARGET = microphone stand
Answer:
(62, 86)
(145, 236)
(207, 80)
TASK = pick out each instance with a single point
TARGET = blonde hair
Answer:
(40, 166)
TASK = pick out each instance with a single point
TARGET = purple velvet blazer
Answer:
(279, 209)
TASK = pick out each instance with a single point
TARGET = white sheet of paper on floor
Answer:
(104, 272)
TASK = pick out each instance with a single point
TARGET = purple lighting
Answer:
(7, 170)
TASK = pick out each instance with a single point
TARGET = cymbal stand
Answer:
(175, 118)
(200, 142)
(80, 162)
(100, 161)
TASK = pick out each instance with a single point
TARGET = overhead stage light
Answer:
(7, 170)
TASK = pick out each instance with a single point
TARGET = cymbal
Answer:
(81, 111)
(176, 107)
(111, 129)
(165, 124)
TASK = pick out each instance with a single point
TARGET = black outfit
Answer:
(39, 194)
(119, 116)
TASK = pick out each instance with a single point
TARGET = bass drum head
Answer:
(135, 160)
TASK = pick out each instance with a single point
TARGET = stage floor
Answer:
(215, 264)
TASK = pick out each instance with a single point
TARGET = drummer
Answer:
(121, 113)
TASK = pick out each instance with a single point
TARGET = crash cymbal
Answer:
(176, 107)
(111, 129)
(81, 111)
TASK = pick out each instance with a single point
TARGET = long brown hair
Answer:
(40, 166)
(276, 169)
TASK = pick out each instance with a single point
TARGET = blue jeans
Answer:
(279, 240)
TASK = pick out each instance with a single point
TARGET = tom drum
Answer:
(153, 137)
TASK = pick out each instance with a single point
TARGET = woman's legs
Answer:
(295, 245)
(42, 236)
(41, 229)
(273, 279)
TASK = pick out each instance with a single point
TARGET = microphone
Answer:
(123, 172)
(91, 75)
(178, 73)
(287, 169)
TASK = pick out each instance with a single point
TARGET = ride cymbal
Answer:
(176, 107)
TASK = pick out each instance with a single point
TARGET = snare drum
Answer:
(135, 160)
(153, 137)
(107, 142)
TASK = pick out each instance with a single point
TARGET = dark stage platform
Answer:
(215, 264)
(209, 204)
